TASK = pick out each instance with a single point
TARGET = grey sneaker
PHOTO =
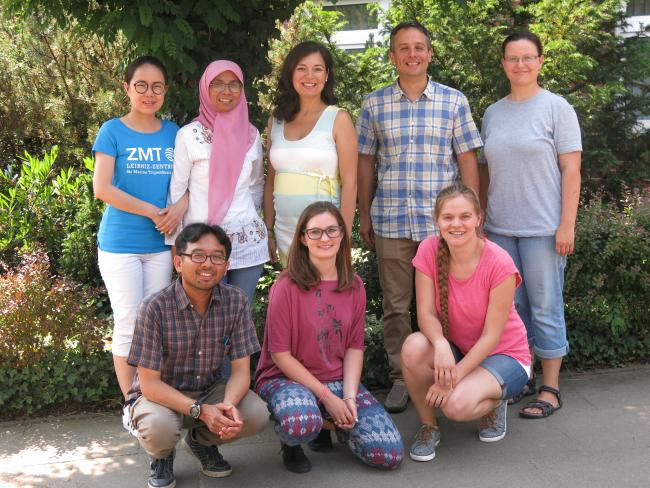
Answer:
(162, 472)
(424, 446)
(492, 426)
(212, 462)
(397, 398)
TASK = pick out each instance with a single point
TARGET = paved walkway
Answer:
(601, 438)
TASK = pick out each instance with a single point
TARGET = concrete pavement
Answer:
(601, 438)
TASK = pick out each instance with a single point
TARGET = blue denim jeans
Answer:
(246, 279)
(508, 372)
(539, 299)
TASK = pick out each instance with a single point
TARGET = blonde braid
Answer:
(443, 274)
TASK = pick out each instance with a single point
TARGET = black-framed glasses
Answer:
(157, 88)
(315, 233)
(234, 86)
(200, 258)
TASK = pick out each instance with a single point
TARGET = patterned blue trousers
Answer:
(298, 419)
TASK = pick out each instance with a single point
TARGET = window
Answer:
(638, 7)
(357, 16)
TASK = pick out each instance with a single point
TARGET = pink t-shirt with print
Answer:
(316, 326)
(468, 299)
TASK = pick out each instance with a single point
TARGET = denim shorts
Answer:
(509, 373)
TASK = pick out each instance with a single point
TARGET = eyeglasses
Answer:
(200, 258)
(315, 233)
(234, 86)
(525, 59)
(157, 88)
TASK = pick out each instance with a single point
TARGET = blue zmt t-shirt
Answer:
(143, 168)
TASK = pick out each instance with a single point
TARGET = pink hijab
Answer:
(232, 136)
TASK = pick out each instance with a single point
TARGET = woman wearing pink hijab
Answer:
(226, 184)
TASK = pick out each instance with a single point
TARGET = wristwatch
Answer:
(195, 410)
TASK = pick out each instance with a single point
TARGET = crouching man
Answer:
(181, 337)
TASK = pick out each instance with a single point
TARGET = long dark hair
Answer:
(299, 266)
(443, 256)
(286, 100)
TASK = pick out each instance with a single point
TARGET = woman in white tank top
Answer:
(312, 146)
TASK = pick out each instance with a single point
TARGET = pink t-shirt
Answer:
(316, 326)
(468, 299)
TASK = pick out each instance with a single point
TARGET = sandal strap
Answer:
(552, 391)
(546, 407)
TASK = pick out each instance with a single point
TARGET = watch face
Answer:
(195, 411)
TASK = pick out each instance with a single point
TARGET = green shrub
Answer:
(40, 313)
(57, 378)
(607, 283)
(56, 209)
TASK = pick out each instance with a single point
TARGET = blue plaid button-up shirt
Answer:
(415, 144)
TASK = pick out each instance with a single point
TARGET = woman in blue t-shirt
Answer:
(134, 156)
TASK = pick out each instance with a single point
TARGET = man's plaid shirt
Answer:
(415, 144)
(188, 350)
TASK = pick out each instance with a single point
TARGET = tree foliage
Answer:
(603, 75)
(58, 86)
(185, 34)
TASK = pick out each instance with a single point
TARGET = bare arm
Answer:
(366, 188)
(484, 179)
(500, 301)
(345, 137)
(443, 358)
(267, 201)
(468, 166)
(107, 192)
(565, 234)
(352, 366)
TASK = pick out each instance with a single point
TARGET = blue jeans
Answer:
(246, 279)
(539, 298)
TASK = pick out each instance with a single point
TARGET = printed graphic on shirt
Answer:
(149, 160)
(327, 324)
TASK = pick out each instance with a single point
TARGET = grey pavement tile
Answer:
(601, 438)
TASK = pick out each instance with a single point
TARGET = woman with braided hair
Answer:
(471, 353)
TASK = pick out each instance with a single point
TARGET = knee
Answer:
(387, 457)
(457, 408)
(415, 350)
(257, 418)
(299, 426)
(158, 438)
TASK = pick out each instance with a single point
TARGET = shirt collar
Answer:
(398, 93)
(183, 300)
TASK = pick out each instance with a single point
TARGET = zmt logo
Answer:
(143, 154)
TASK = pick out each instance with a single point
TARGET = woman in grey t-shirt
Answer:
(531, 173)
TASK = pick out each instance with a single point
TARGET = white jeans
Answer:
(129, 278)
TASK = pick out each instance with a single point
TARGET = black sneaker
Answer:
(162, 472)
(212, 462)
(322, 442)
(294, 459)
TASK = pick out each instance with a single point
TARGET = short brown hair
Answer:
(299, 266)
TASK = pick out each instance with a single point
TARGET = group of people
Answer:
(486, 304)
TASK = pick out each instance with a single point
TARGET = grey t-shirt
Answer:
(522, 143)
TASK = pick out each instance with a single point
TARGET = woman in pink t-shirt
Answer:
(310, 367)
(471, 353)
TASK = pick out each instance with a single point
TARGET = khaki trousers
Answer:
(396, 277)
(159, 428)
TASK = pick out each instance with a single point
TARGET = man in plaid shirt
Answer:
(421, 137)
(181, 337)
